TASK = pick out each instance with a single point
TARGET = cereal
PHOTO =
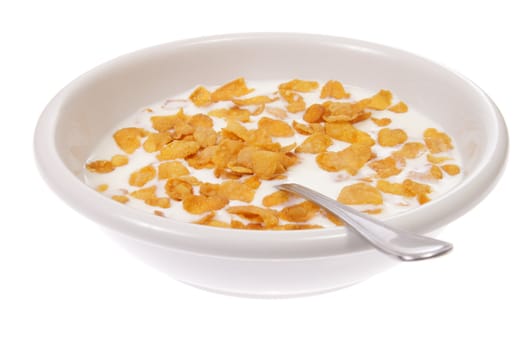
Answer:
(276, 198)
(335, 89)
(230, 145)
(228, 91)
(198, 204)
(314, 113)
(380, 101)
(360, 193)
(128, 139)
(381, 121)
(391, 137)
(119, 160)
(145, 193)
(256, 100)
(102, 187)
(172, 169)
(351, 159)
(120, 198)
(437, 141)
(268, 217)
(451, 169)
(399, 107)
(385, 167)
(301, 212)
(299, 85)
(315, 143)
(275, 127)
(178, 149)
(201, 97)
(234, 113)
(141, 176)
(100, 166)
(156, 141)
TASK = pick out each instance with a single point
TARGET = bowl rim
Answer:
(248, 243)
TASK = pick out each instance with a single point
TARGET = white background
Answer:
(64, 285)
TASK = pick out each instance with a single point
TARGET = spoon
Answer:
(402, 245)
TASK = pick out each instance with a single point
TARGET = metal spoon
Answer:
(403, 245)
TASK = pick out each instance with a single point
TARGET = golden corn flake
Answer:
(156, 141)
(141, 176)
(276, 198)
(315, 143)
(102, 187)
(253, 213)
(267, 164)
(348, 133)
(178, 122)
(178, 149)
(235, 190)
(382, 121)
(301, 212)
(333, 219)
(302, 129)
(275, 127)
(399, 107)
(119, 160)
(171, 169)
(299, 85)
(435, 172)
(204, 136)
(385, 167)
(256, 100)
(145, 193)
(451, 169)
(360, 193)
(437, 141)
(199, 204)
(128, 139)
(201, 97)
(391, 137)
(334, 89)
(159, 213)
(228, 91)
(100, 166)
(158, 202)
(178, 189)
(253, 182)
(120, 198)
(234, 113)
(200, 120)
(410, 150)
(295, 101)
(351, 159)
(390, 187)
(314, 113)
(436, 160)
(277, 112)
(380, 101)
(203, 158)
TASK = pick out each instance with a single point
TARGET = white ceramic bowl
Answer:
(262, 263)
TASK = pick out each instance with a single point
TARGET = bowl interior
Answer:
(103, 97)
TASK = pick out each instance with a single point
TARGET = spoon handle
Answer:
(402, 245)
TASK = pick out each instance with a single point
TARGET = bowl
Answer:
(262, 263)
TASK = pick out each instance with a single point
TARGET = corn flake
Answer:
(228, 91)
(276, 198)
(156, 141)
(141, 176)
(171, 169)
(334, 89)
(451, 169)
(380, 101)
(437, 141)
(275, 127)
(399, 107)
(301, 212)
(201, 97)
(100, 166)
(256, 100)
(256, 214)
(360, 193)
(391, 137)
(314, 113)
(198, 204)
(178, 149)
(385, 167)
(120, 198)
(119, 160)
(299, 85)
(381, 121)
(315, 143)
(128, 139)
